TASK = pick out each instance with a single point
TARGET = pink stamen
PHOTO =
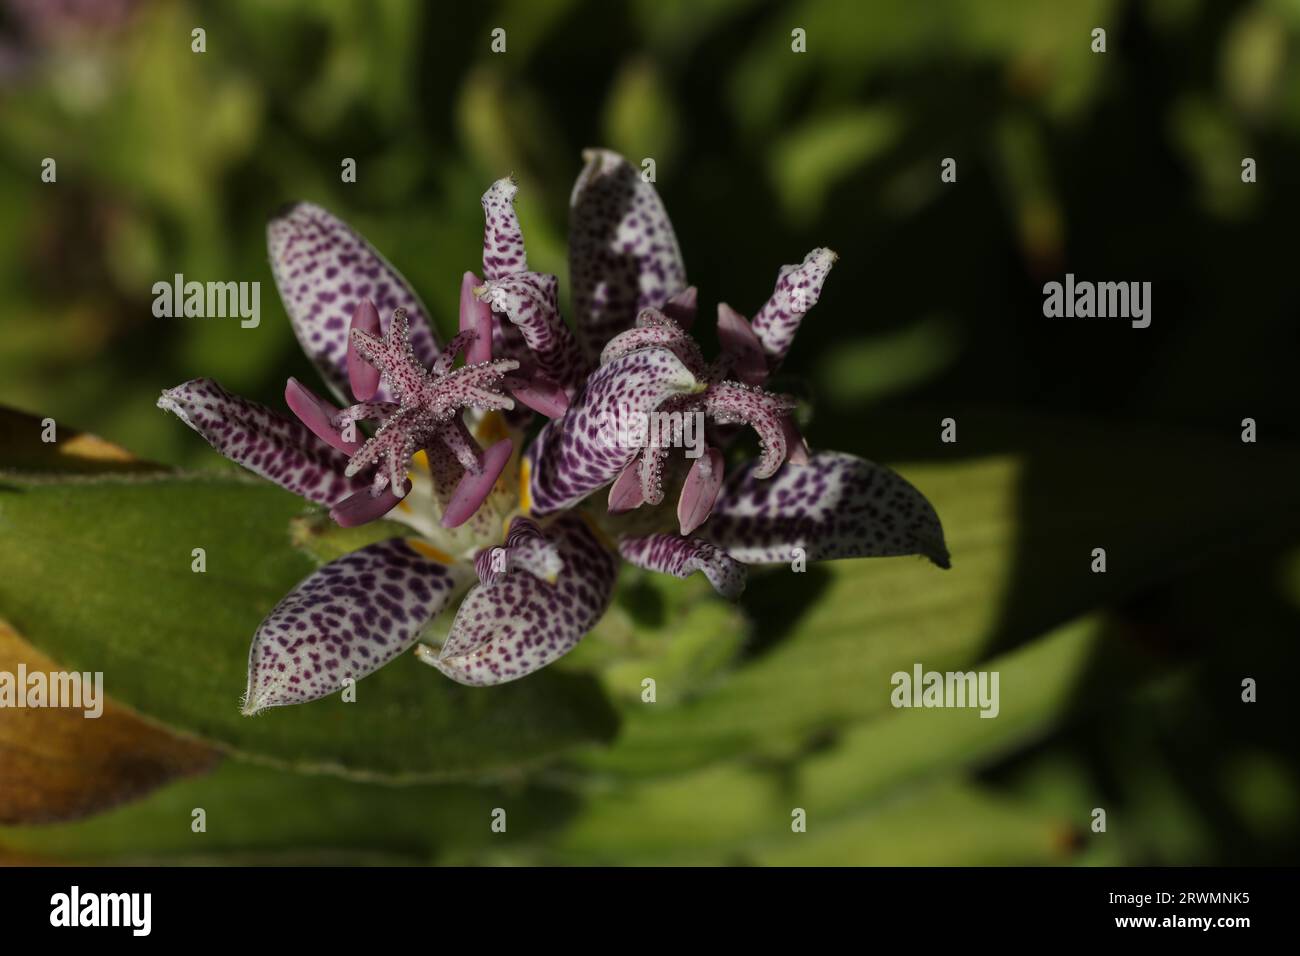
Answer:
(317, 414)
(540, 394)
(741, 348)
(362, 376)
(681, 308)
(625, 492)
(474, 487)
(361, 507)
(700, 490)
(475, 316)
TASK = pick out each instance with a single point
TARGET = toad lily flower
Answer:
(634, 306)
(515, 548)
(422, 467)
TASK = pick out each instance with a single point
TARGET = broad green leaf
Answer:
(97, 573)
(674, 632)
(740, 808)
(722, 820)
(951, 824)
(888, 792)
(1021, 532)
(1076, 669)
(257, 815)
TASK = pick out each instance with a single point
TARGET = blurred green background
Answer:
(1119, 691)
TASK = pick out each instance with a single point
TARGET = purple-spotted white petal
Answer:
(681, 557)
(797, 290)
(503, 240)
(324, 269)
(836, 506)
(529, 301)
(583, 451)
(730, 403)
(520, 623)
(263, 441)
(623, 253)
(526, 549)
(654, 329)
(346, 620)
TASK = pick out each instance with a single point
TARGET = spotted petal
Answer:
(526, 548)
(681, 557)
(623, 253)
(510, 628)
(583, 450)
(836, 506)
(655, 329)
(323, 270)
(503, 240)
(797, 290)
(263, 441)
(528, 300)
(345, 621)
(730, 403)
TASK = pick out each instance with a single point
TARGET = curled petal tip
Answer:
(682, 556)
(501, 634)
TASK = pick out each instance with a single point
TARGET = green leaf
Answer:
(949, 824)
(97, 573)
(675, 632)
(1021, 531)
(258, 815)
(852, 782)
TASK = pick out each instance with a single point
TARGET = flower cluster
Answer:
(510, 538)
